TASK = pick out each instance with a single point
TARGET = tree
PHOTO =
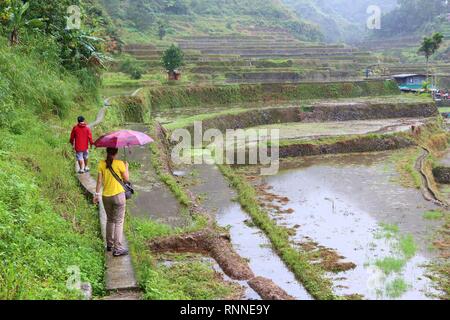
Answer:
(17, 20)
(172, 59)
(429, 47)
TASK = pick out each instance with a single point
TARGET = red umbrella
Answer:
(123, 139)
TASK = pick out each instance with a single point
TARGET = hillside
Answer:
(339, 20)
(141, 19)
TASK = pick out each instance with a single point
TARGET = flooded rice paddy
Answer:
(352, 204)
(301, 130)
(248, 241)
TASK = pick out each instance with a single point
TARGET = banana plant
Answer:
(17, 20)
(80, 50)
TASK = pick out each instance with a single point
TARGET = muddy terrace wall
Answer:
(274, 77)
(183, 96)
(370, 143)
(319, 113)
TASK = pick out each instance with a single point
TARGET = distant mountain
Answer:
(201, 17)
(339, 20)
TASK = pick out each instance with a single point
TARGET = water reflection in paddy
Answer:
(341, 201)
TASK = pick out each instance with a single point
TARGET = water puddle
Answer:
(153, 199)
(350, 204)
(248, 241)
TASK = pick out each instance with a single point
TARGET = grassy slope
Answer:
(46, 225)
(204, 17)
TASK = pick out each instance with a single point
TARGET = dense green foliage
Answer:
(132, 67)
(412, 16)
(188, 17)
(173, 58)
(46, 225)
(429, 47)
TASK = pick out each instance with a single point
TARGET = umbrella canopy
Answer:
(122, 139)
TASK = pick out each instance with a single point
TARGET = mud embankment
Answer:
(352, 145)
(319, 113)
(209, 242)
(442, 175)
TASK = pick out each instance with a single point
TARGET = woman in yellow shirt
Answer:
(113, 198)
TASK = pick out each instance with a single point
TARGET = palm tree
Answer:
(17, 20)
(429, 47)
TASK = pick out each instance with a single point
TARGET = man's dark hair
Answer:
(80, 119)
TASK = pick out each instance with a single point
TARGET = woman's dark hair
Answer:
(110, 154)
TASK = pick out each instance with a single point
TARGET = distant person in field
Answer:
(81, 139)
(111, 174)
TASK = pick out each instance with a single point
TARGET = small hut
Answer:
(174, 75)
(410, 82)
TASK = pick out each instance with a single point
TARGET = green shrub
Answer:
(132, 67)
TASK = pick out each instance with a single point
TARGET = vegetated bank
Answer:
(48, 230)
(168, 97)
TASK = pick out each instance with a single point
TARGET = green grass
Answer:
(312, 276)
(407, 246)
(433, 215)
(46, 224)
(390, 264)
(187, 279)
(167, 178)
(396, 288)
(187, 121)
(444, 110)
(405, 161)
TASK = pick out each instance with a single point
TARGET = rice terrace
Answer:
(255, 150)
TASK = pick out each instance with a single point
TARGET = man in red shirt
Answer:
(80, 139)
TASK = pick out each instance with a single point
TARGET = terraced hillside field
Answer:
(264, 58)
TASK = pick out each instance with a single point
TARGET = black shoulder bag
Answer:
(127, 186)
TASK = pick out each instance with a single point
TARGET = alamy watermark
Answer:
(73, 18)
(240, 147)
(374, 20)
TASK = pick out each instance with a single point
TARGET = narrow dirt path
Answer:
(427, 191)
(120, 277)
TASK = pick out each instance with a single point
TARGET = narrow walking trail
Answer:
(427, 191)
(120, 277)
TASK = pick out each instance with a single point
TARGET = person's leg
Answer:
(108, 203)
(120, 208)
(80, 160)
(86, 160)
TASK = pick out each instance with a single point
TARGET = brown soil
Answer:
(218, 247)
(328, 259)
(268, 290)
(207, 242)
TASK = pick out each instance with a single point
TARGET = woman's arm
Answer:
(126, 174)
(98, 188)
